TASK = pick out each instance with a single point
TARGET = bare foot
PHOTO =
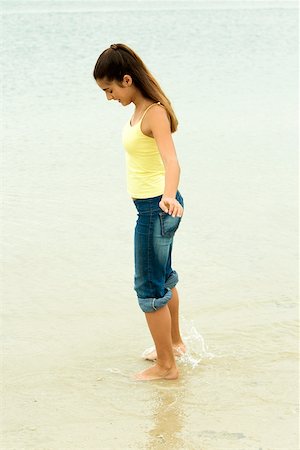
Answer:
(178, 350)
(157, 372)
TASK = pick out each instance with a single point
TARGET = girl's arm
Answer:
(160, 127)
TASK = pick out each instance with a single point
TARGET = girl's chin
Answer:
(124, 102)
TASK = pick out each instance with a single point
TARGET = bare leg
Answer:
(173, 306)
(177, 343)
(159, 323)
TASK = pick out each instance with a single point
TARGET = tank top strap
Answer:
(150, 106)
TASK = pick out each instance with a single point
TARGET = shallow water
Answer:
(73, 334)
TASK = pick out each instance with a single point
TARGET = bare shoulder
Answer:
(157, 114)
(156, 119)
(157, 110)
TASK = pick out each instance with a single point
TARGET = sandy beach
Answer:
(72, 331)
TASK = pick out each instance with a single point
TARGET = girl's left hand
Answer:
(171, 206)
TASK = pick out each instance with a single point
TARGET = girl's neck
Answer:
(140, 102)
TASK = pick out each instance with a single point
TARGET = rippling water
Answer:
(72, 330)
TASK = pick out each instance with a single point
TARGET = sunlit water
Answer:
(73, 334)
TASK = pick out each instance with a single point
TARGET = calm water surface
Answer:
(72, 330)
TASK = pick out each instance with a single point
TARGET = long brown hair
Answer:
(119, 60)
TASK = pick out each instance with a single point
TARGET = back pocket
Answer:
(169, 224)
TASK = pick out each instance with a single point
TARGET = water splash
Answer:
(196, 348)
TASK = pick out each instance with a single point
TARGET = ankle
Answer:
(166, 365)
(178, 343)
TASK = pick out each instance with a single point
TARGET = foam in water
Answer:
(196, 349)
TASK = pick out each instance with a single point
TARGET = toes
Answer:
(151, 358)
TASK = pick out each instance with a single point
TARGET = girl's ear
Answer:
(127, 80)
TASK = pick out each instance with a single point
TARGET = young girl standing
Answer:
(152, 178)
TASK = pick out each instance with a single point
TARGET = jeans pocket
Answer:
(168, 224)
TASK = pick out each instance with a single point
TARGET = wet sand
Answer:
(72, 331)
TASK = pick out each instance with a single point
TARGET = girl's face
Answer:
(114, 91)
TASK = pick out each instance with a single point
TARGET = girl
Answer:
(152, 179)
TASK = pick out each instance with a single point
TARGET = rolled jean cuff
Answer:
(153, 304)
(172, 280)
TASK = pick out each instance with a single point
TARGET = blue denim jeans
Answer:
(153, 240)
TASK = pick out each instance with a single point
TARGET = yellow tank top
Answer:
(145, 169)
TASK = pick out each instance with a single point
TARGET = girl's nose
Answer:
(109, 97)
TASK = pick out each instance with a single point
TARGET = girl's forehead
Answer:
(103, 83)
